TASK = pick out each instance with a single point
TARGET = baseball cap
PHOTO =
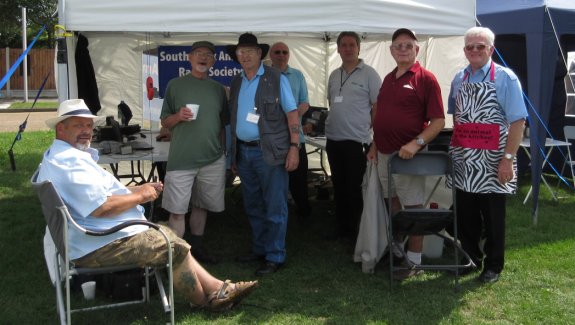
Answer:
(403, 31)
(205, 44)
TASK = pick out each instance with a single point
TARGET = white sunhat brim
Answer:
(51, 123)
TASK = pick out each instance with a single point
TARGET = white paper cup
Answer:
(89, 290)
(195, 108)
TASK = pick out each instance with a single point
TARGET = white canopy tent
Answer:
(120, 31)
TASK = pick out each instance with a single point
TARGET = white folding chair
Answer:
(569, 131)
(58, 220)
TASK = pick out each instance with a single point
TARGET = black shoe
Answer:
(268, 268)
(202, 255)
(251, 257)
(488, 276)
(463, 271)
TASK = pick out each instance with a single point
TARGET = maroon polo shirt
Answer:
(404, 107)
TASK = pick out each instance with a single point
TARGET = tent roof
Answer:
(497, 6)
(433, 17)
(544, 16)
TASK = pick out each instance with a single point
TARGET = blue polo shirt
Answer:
(507, 87)
(299, 90)
(247, 131)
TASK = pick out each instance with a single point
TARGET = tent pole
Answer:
(25, 62)
(326, 39)
(62, 58)
(8, 88)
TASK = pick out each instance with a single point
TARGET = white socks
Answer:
(415, 258)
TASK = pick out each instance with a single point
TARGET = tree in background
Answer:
(39, 13)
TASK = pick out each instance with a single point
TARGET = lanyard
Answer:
(490, 72)
(341, 81)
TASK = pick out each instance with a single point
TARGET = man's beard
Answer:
(83, 146)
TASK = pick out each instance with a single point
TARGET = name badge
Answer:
(253, 118)
(338, 99)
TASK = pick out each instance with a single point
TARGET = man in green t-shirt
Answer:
(196, 164)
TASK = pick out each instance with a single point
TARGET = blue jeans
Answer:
(264, 190)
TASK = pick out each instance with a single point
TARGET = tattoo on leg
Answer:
(189, 281)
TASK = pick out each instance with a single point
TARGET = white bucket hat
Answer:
(71, 108)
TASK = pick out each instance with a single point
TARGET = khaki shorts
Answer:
(409, 189)
(205, 186)
(147, 248)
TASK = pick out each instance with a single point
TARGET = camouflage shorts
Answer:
(147, 248)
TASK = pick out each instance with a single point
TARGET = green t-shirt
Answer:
(195, 143)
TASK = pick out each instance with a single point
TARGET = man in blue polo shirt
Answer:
(279, 54)
(485, 98)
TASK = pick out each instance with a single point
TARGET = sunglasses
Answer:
(403, 46)
(278, 52)
(478, 47)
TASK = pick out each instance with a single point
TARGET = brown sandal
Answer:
(229, 296)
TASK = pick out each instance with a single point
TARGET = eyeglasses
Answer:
(203, 54)
(278, 52)
(245, 51)
(403, 46)
(478, 47)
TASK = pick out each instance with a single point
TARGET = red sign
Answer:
(476, 136)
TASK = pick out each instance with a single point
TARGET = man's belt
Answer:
(255, 143)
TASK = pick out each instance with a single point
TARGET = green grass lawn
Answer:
(319, 284)
(39, 104)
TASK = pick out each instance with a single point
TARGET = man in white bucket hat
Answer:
(70, 108)
(98, 201)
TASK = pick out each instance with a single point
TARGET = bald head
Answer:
(279, 54)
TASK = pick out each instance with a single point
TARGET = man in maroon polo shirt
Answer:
(409, 115)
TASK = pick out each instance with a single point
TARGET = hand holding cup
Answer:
(192, 110)
(185, 114)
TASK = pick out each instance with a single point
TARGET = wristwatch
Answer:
(420, 141)
(295, 144)
(509, 156)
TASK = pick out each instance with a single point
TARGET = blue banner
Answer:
(173, 62)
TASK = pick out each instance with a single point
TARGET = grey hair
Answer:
(480, 31)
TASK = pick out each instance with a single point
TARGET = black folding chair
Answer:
(424, 221)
